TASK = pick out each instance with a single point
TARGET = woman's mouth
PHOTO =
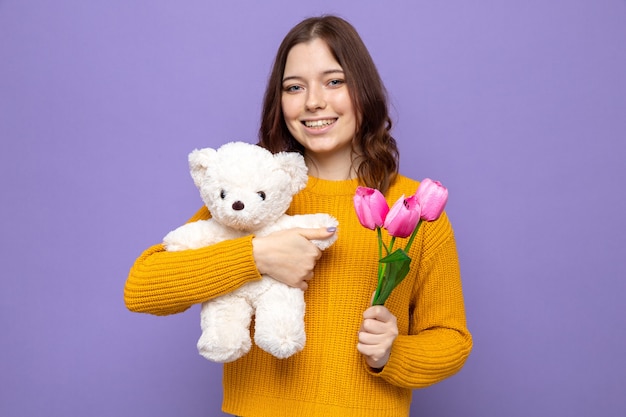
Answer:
(318, 124)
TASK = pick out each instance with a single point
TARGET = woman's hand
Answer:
(378, 331)
(289, 256)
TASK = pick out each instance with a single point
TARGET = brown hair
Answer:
(378, 157)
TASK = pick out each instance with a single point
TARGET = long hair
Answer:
(378, 151)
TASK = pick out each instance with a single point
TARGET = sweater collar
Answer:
(328, 187)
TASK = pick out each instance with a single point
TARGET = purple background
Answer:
(519, 107)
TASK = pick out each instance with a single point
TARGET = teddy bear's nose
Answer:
(238, 205)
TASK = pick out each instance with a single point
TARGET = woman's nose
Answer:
(315, 99)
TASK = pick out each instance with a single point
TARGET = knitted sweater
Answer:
(329, 377)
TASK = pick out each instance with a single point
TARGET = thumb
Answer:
(319, 233)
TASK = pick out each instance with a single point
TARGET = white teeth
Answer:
(318, 123)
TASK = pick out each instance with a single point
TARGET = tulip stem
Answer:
(408, 245)
(380, 265)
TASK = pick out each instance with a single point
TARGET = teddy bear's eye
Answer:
(222, 194)
(261, 194)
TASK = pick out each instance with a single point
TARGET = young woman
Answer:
(325, 100)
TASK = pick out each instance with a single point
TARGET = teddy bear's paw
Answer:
(321, 220)
(279, 325)
(223, 350)
(326, 243)
(281, 346)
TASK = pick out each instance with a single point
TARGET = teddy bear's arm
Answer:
(304, 221)
(197, 235)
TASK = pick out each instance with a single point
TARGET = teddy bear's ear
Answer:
(199, 161)
(293, 164)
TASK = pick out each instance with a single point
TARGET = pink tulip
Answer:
(432, 198)
(371, 207)
(403, 217)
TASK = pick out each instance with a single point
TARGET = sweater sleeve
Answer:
(438, 342)
(163, 283)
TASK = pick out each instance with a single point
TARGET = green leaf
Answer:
(396, 269)
(397, 255)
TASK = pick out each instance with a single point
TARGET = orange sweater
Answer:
(329, 377)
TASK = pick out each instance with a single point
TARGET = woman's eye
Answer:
(336, 83)
(293, 88)
(261, 194)
(222, 194)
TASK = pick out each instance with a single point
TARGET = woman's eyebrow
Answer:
(327, 72)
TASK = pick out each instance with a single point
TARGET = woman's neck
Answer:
(332, 167)
(330, 173)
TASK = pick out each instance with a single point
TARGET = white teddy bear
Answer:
(247, 190)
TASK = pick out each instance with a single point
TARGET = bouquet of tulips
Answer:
(402, 220)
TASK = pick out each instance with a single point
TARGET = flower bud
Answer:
(371, 207)
(432, 198)
(403, 217)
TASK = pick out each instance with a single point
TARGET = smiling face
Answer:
(316, 104)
